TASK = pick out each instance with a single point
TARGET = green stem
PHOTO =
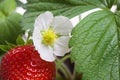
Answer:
(74, 74)
(63, 67)
(65, 58)
(67, 72)
(59, 61)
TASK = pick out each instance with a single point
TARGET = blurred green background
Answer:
(10, 22)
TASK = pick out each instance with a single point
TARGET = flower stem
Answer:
(65, 58)
(60, 61)
(67, 71)
(64, 69)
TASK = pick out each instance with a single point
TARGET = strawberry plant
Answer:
(92, 45)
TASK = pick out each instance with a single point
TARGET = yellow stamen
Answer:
(48, 37)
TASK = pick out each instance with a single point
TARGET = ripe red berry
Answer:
(24, 63)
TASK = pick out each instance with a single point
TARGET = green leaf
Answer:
(117, 16)
(19, 3)
(20, 40)
(8, 6)
(9, 27)
(69, 8)
(95, 47)
(118, 4)
(108, 3)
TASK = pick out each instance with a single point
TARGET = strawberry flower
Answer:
(51, 35)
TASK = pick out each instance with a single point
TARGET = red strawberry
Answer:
(24, 63)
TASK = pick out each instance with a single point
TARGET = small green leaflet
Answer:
(95, 47)
(20, 40)
(5, 48)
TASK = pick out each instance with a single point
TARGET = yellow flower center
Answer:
(48, 37)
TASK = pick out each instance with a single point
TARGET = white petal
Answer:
(44, 20)
(61, 46)
(46, 53)
(62, 25)
(37, 38)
